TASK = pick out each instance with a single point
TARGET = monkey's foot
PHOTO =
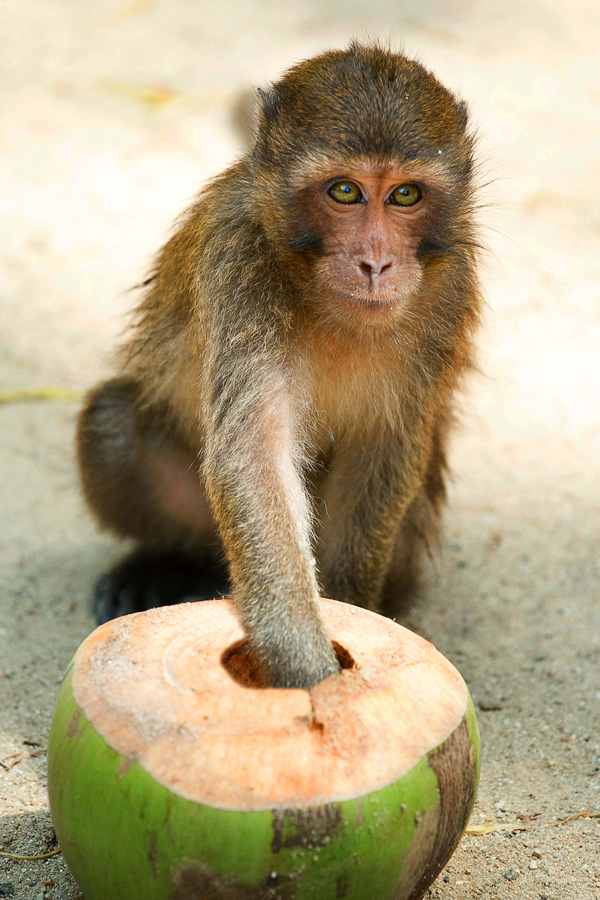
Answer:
(144, 580)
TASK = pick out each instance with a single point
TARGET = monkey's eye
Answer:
(345, 192)
(406, 195)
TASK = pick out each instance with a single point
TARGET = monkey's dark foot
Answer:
(144, 580)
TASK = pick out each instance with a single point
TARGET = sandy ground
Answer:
(113, 116)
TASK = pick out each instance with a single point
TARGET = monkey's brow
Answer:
(318, 172)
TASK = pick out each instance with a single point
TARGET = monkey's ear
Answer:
(270, 102)
(462, 112)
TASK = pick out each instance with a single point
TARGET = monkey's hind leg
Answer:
(142, 482)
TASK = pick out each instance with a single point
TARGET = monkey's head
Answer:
(362, 173)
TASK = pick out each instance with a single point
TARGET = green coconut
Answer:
(174, 775)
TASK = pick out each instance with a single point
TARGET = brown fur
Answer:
(312, 398)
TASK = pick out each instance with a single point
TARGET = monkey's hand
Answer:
(292, 654)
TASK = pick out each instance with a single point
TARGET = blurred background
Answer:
(113, 115)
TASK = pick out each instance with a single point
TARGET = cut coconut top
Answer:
(175, 690)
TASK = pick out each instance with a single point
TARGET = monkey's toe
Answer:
(143, 581)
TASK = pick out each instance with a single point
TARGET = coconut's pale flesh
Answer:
(153, 685)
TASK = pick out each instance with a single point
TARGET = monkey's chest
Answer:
(353, 402)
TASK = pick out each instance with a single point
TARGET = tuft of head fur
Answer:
(363, 103)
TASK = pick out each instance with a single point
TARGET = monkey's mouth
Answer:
(376, 302)
(388, 301)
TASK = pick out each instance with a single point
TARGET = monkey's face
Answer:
(362, 232)
(362, 175)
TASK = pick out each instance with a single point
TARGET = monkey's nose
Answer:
(373, 269)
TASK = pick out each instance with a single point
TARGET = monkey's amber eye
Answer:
(345, 192)
(406, 195)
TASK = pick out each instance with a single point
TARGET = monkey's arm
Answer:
(261, 507)
(371, 485)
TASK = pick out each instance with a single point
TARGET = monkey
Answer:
(281, 408)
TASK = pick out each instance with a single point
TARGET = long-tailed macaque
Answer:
(285, 393)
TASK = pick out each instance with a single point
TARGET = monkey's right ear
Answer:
(270, 102)
(462, 111)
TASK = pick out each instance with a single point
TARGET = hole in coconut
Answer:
(241, 663)
(343, 656)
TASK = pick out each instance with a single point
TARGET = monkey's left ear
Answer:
(270, 102)
(462, 111)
